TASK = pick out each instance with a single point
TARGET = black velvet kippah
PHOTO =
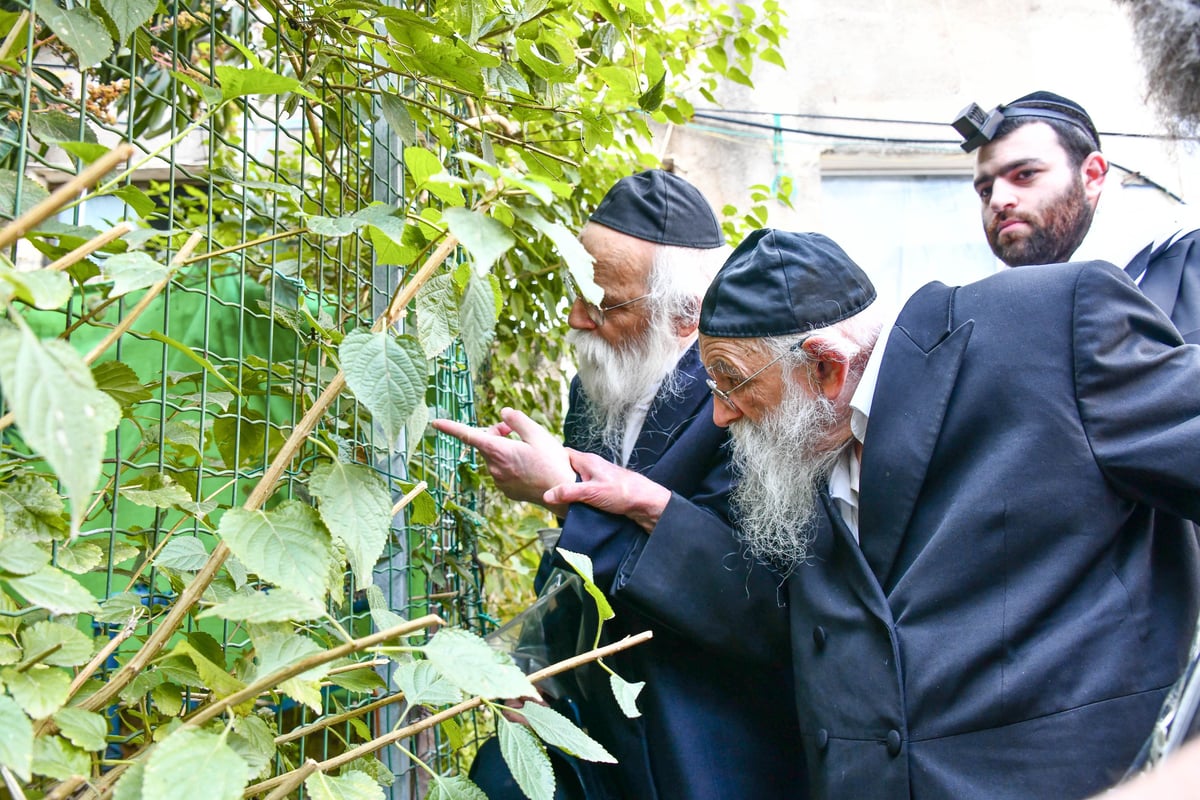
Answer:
(1057, 106)
(778, 283)
(660, 207)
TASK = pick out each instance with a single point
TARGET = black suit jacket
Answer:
(1025, 589)
(1172, 281)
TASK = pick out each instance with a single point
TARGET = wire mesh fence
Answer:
(215, 369)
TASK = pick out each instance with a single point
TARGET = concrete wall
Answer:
(921, 60)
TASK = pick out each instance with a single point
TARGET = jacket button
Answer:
(822, 739)
(893, 743)
(819, 637)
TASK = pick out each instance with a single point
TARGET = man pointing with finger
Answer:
(640, 425)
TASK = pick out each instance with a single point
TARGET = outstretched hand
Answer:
(523, 467)
(611, 488)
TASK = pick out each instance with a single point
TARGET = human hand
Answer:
(611, 488)
(523, 468)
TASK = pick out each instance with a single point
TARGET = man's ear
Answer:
(686, 326)
(830, 368)
(1093, 170)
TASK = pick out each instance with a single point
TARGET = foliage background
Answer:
(344, 218)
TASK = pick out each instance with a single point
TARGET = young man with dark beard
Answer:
(983, 600)
(640, 425)
(1040, 177)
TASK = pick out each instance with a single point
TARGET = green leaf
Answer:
(32, 508)
(40, 691)
(79, 29)
(32, 192)
(55, 591)
(118, 380)
(254, 742)
(383, 617)
(437, 314)
(60, 412)
(9, 652)
(578, 260)
(16, 739)
(471, 664)
(279, 650)
(187, 753)
(583, 565)
(484, 237)
(42, 288)
(423, 508)
(73, 646)
(85, 729)
(398, 119)
(78, 557)
(87, 152)
(129, 15)
(289, 546)
(423, 685)
(209, 94)
(21, 556)
(130, 784)
(118, 608)
(559, 731)
(156, 490)
(363, 680)
(477, 317)
(278, 605)
(653, 98)
(129, 272)
(454, 787)
(387, 375)
(242, 82)
(422, 164)
(54, 127)
(357, 510)
(334, 227)
(350, 786)
(526, 759)
(185, 553)
(54, 757)
(209, 661)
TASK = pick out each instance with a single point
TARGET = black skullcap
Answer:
(1049, 105)
(660, 207)
(778, 283)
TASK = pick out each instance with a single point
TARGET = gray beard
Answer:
(781, 464)
(617, 379)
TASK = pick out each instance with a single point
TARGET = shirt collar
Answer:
(860, 403)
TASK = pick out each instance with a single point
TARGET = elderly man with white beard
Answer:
(981, 602)
(656, 483)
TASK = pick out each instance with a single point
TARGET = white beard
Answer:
(780, 464)
(617, 379)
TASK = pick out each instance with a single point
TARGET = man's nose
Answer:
(578, 318)
(723, 415)
(1003, 196)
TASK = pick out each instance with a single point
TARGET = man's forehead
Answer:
(1034, 141)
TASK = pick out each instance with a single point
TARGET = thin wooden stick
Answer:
(125, 324)
(91, 246)
(408, 498)
(234, 248)
(381, 742)
(305, 664)
(63, 194)
(298, 777)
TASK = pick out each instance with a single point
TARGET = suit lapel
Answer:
(834, 547)
(1161, 282)
(919, 369)
(669, 412)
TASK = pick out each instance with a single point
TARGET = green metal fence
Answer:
(217, 370)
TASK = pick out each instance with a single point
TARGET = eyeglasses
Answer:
(725, 398)
(594, 312)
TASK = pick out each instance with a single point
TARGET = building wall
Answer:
(920, 60)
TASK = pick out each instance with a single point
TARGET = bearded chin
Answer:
(781, 464)
(616, 379)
